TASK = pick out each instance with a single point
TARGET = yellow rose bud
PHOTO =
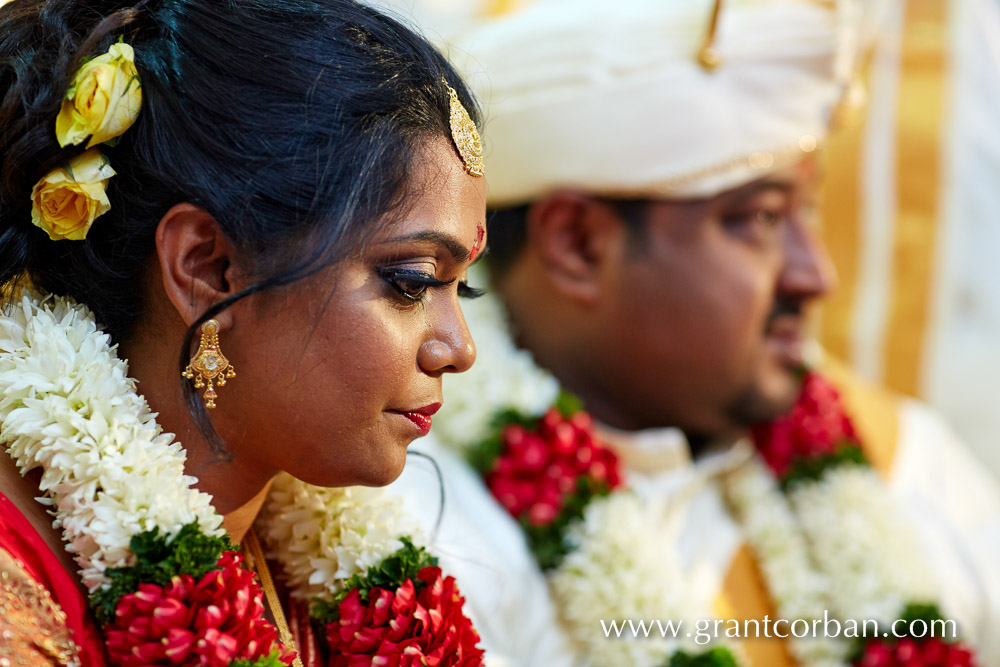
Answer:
(103, 100)
(67, 201)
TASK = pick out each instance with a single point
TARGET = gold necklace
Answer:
(256, 562)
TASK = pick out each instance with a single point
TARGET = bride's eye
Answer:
(467, 292)
(410, 284)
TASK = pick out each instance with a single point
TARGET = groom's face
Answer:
(711, 309)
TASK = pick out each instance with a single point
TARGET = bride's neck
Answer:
(236, 481)
(239, 521)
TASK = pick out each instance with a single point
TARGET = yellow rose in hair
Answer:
(103, 100)
(67, 201)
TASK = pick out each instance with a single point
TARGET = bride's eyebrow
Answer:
(455, 248)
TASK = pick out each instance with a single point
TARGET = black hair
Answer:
(294, 123)
(508, 230)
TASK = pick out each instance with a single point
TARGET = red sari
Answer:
(43, 615)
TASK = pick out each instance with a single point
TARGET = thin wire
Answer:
(440, 480)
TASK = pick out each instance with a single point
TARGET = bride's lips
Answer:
(421, 417)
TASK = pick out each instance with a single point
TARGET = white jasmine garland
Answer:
(322, 537)
(872, 560)
(798, 588)
(503, 377)
(833, 544)
(68, 406)
(621, 570)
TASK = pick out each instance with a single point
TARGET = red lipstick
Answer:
(421, 417)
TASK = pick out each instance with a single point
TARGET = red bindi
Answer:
(480, 232)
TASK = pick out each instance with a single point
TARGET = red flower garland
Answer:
(210, 623)
(818, 426)
(815, 426)
(404, 628)
(538, 470)
(931, 652)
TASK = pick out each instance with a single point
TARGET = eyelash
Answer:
(767, 216)
(418, 282)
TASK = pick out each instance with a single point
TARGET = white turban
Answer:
(610, 98)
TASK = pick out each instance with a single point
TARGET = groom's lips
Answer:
(784, 339)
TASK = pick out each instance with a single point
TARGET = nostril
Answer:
(433, 356)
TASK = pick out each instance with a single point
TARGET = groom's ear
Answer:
(575, 236)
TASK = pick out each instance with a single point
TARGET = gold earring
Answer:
(208, 364)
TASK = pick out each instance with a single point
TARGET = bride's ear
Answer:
(197, 262)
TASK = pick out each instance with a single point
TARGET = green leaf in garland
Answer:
(929, 613)
(324, 612)
(389, 575)
(158, 560)
(548, 543)
(812, 470)
(482, 455)
(568, 404)
(718, 656)
(918, 611)
(272, 660)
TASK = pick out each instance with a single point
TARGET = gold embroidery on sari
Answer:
(32, 625)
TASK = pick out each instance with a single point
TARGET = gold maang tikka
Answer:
(465, 135)
(209, 365)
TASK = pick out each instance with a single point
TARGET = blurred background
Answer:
(911, 203)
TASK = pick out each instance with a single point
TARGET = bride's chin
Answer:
(376, 472)
(387, 471)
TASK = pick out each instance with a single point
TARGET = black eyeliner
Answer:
(423, 280)
(398, 279)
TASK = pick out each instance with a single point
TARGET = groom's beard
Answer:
(750, 405)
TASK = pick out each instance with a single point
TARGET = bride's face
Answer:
(347, 366)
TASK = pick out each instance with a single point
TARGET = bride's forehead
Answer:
(454, 206)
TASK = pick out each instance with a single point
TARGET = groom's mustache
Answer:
(783, 307)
